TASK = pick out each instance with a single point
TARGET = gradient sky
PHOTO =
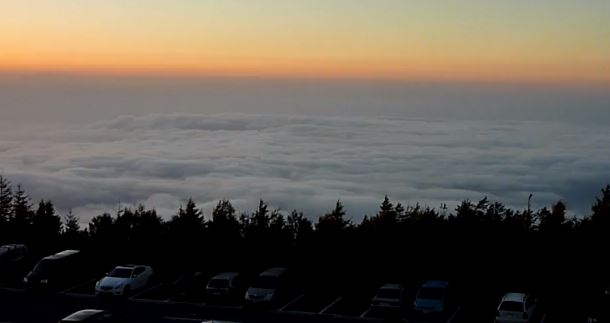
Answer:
(478, 40)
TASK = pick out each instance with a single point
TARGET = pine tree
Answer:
(71, 225)
(224, 214)
(189, 216)
(224, 225)
(299, 227)
(71, 235)
(186, 230)
(601, 208)
(6, 201)
(334, 221)
(387, 214)
(101, 228)
(21, 215)
(46, 225)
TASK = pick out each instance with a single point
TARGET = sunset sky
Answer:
(478, 40)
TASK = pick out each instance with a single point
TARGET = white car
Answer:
(516, 307)
(389, 296)
(124, 279)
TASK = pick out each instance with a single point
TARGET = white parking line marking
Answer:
(452, 317)
(145, 291)
(184, 319)
(292, 302)
(363, 315)
(67, 290)
(13, 290)
(331, 305)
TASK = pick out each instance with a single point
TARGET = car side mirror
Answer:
(134, 275)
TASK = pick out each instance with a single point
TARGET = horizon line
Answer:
(193, 73)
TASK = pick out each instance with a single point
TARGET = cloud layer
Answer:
(304, 163)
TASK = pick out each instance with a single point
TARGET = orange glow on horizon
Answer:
(492, 73)
(478, 41)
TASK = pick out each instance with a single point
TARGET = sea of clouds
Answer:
(304, 162)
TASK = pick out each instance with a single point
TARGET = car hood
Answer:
(112, 281)
(260, 291)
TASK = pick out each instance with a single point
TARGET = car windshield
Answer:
(431, 293)
(511, 306)
(120, 273)
(265, 282)
(4, 253)
(219, 283)
(388, 293)
(43, 266)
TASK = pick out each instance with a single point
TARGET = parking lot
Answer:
(313, 305)
(181, 297)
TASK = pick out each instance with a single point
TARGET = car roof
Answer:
(435, 284)
(130, 266)
(82, 315)
(514, 297)
(226, 275)
(62, 254)
(7, 247)
(392, 286)
(278, 271)
(12, 246)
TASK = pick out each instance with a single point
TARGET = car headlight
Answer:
(44, 281)
(25, 280)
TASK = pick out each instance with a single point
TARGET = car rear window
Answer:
(120, 273)
(388, 293)
(44, 266)
(511, 306)
(266, 282)
(219, 283)
(431, 293)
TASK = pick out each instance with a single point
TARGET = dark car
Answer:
(57, 270)
(90, 315)
(228, 286)
(13, 260)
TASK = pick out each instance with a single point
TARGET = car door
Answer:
(139, 278)
(530, 307)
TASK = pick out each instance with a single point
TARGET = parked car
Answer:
(189, 286)
(389, 296)
(90, 315)
(13, 259)
(124, 279)
(516, 307)
(268, 287)
(58, 270)
(431, 298)
(228, 285)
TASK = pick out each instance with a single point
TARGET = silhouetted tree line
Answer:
(482, 242)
